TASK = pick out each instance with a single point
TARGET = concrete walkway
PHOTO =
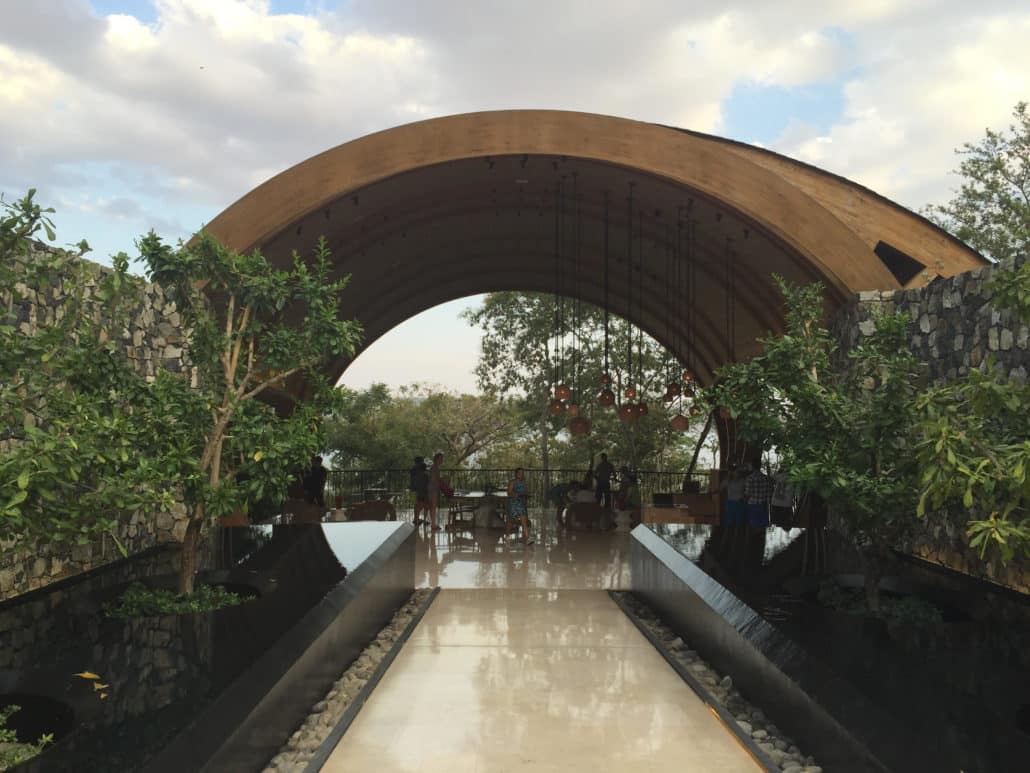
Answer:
(503, 676)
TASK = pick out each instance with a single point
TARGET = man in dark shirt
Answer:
(314, 482)
(758, 489)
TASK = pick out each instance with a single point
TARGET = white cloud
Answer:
(928, 84)
(214, 97)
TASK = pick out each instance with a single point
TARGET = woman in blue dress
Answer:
(518, 494)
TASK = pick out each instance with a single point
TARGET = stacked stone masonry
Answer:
(953, 328)
(153, 340)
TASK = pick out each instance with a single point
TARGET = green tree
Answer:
(518, 360)
(846, 428)
(75, 445)
(991, 210)
(975, 454)
(254, 330)
(374, 429)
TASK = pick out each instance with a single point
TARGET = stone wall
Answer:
(152, 341)
(953, 328)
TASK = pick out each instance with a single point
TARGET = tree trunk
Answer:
(697, 448)
(545, 450)
(188, 559)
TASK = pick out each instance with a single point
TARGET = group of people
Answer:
(596, 486)
(754, 498)
(428, 484)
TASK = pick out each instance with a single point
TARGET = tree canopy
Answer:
(991, 209)
(253, 329)
(376, 430)
(845, 427)
(519, 360)
(77, 433)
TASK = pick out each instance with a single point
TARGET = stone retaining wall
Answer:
(953, 328)
(152, 341)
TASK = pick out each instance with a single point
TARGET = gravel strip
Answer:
(325, 714)
(780, 749)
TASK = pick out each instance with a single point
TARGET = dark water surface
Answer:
(960, 688)
(160, 671)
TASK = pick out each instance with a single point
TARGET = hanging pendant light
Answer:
(573, 409)
(627, 412)
(642, 409)
(680, 423)
(630, 393)
(556, 407)
(562, 391)
(606, 398)
(580, 425)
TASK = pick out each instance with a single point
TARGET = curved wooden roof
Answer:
(433, 211)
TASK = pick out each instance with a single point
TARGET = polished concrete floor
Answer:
(496, 680)
(523, 663)
(557, 559)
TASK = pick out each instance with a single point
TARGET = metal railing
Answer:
(357, 485)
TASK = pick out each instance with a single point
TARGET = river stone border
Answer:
(766, 742)
(312, 743)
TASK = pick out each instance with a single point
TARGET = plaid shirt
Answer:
(758, 488)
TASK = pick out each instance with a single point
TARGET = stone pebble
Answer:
(326, 713)
(751, 720)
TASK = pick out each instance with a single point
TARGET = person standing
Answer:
(433, 490)
(603, 475)
(518, 505)
(758, 489)
(314, 482)
(418, 481)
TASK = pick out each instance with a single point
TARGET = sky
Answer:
(130, 115)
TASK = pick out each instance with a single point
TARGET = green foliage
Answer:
(12, 751)
(255, 331)
(91, 440)
(975, 451)
(376, 430)
(140, 601)
(518, 361)
(845, 428)
(991, 211)
(853, 601)
(70, 404)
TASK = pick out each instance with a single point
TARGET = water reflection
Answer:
(559, 558)
(162, 670)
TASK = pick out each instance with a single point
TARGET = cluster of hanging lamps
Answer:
(564, 399)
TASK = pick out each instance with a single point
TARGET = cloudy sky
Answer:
(130, 115)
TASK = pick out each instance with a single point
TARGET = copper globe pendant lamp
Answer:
(580, 425)
(680, 423)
